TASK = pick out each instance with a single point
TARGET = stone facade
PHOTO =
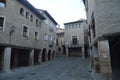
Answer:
(60, 42)
(22, 35)
(75, 38)
(103, 34)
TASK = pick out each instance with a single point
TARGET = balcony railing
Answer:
(77, 44)
(74, 43)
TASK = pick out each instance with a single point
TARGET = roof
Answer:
(49, 16)
(81, 20)
(31, 8)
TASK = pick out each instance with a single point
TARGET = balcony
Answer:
(75, 44)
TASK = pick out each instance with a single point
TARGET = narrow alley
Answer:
(61, 68)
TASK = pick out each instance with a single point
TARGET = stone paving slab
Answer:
(61, 68)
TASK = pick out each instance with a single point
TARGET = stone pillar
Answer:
(39, 57)
(67, 52)
(6, 59)
(55, 55)
(96, 66)
(104, 59)
(31, 58)
(83, 53)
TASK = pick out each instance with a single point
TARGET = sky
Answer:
(62, 11)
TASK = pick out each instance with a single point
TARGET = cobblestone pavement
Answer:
(61, 68)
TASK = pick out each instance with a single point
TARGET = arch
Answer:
(59, 48)
(37, 22)
(44, 54)
(27, 15)
(22, 11)
(31, 18)
(2, 3)
(49, 55)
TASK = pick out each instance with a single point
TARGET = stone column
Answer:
(83, 53)
(55, 55)
(6, 59)
(96, 66)
(31, 58)
(67, 52)
(104, 59)
(39, 57)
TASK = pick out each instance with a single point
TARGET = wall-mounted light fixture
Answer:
(12, 29)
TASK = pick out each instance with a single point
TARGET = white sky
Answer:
(62, 10)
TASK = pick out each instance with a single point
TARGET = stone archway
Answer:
(19, 57)
(44, 55)
(49, 55)
(1, 57)
(37, 56)
(114, 43)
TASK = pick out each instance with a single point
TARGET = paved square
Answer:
(61, 68)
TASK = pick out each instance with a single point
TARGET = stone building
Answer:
(22, 35)
(75, 38)
(49, 34)
(60, 43)
(104, 37)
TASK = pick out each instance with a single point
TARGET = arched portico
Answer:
(44, 54)
(49, 55)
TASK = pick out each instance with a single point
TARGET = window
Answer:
(93, 25)
(73, 26)
(2, 3)
(37, 23)
(51, 38)
(36, 35)
(76, 26)
(46, 37)
(69, 26)
(46, 21)
(31, 18)
(1, 23)
(66, 27)
(59, 49)
(25, 31)
(22, 11)
(74, 40)
(27, 15)
(57, 42)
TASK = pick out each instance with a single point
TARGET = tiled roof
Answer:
(81, 20)
(49, 16)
